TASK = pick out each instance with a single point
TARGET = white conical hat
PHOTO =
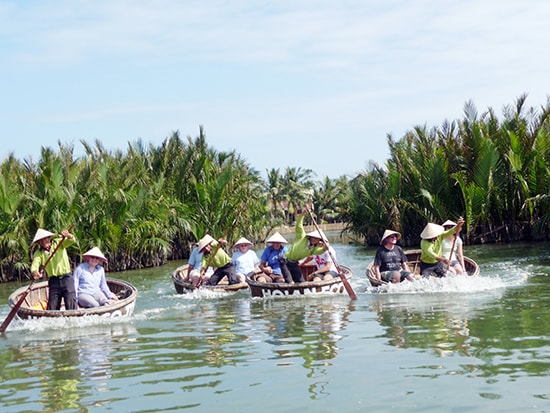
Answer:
(431, 230)
(204, 241)
(276, 238)
(389, 232)
(449, 223)
(41, 234)
(95, 252)
(242, 240)
(317, 234)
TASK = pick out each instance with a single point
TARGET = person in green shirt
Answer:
(303, 246)
(214, 256)
(60, 277)
(432, 261)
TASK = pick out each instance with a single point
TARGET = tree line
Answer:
(148, 204)
(493, 172)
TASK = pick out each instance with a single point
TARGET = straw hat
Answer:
(317, 234)
(204, 241)
(241, 241)
(449, 223)
(389, 232)
(41, 234)
(431, 231)
(276, 238)
(95, 252)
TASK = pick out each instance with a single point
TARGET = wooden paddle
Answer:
(345, 281)
(18, 304)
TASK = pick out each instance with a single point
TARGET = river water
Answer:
(453, 345)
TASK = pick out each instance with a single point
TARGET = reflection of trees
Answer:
(221, 332)
(60, 379)
(299, 329)
(63, 362)
(502, 335)
(511, 336)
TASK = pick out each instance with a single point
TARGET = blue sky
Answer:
(313, 84)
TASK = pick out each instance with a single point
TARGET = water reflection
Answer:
(224, 331)
(309, 331)
(60, 379)
(62, 365)
(422, 322)
(94, 357)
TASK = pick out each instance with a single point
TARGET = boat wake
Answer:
(494, 277)
(42, 324)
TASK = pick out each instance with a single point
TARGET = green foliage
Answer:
(494, 173)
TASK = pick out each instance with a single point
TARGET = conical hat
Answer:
(276, 238)
(242, 240)
(95, 252)
(317, 234)
(449, 223)
(204, 241)
(431, 230)
(389, 232)
(41, 234)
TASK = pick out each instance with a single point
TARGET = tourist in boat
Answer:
(214, 256)
(58, 270)
(432, 260)
(302, 247)
(390, 261)
(245, 259)
(269, 261)
(326, 270)
(456, 254)
(89, 281)
(192, 272)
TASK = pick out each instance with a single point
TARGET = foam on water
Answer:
(492, 277)
(65, 323)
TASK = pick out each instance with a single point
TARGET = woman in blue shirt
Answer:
(89, 280)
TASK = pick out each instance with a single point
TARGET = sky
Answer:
(312, 84)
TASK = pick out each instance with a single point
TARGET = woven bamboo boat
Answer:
(35, 304)
(333, 286)
(413, 261)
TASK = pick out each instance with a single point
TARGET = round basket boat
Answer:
(332, 286)
(35, 304)
(413, 261)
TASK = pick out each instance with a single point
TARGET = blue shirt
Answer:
(271, 257)
(88, 282)
(195, 259)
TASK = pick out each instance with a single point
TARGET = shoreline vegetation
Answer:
(148, 204)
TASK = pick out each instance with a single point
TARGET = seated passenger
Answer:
(390, 262)
(269, 261)
(246, 261)
(89, 281)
